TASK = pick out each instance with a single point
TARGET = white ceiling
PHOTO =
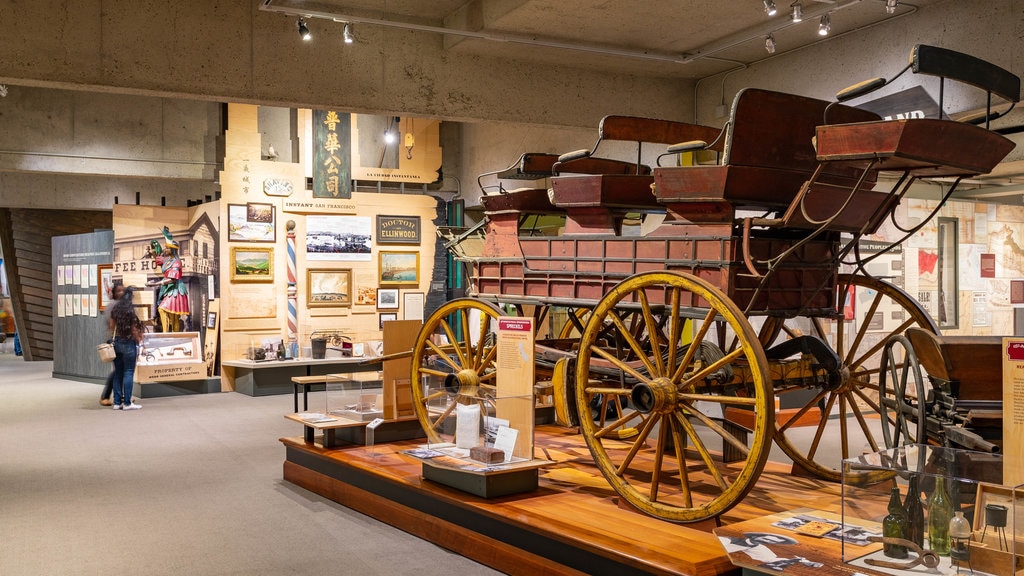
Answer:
(674, 38)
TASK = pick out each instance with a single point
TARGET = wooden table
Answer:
(271, 377)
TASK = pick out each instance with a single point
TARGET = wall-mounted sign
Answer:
(332, 155)
(398, 229)
(988, 265)
(277, 187)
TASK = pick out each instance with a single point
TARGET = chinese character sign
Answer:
(332, 155)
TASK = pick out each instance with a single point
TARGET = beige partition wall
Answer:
(335, 289)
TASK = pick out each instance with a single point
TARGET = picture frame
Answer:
(413, 303)
(326, 288)
(386, 317)
(399, 268)
(252, 264)
(104, 284)
(252, 222)
(387, 298)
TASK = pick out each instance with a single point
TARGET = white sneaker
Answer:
(132, 406)
(117, 406)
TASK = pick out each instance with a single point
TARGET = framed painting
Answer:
(387, 298)
(327, 288)
(104, 284)
(400, 268)
(252, 222)
(252, 264)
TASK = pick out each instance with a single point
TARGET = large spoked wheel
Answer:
(453, 363)
(902, 394)
(674, 394)
(845, 412)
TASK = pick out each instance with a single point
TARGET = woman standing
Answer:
(108, 388)
(127, 330)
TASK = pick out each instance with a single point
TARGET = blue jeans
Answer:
(124, 369)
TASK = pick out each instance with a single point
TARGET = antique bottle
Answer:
(280, 350)
(940, 512)
(894, 525)
(914, 511)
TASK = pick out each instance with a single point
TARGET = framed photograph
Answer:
(387, 298)
(398, 229)
(387, 317)
(330, 237)
(252, 264)
(252, 222)
(104, 284)
(211, 320)
(400, 268)
(326, 288)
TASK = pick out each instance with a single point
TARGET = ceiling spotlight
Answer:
(769, 43)
(769, 7)
(798, 11)
(347, 34)
(890, 5)
(824, 26)
(304, 30)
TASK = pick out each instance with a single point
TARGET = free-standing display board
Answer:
(399, 336)
(515, 380)
(1013, 411)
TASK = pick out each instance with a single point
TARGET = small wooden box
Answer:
(487, 455)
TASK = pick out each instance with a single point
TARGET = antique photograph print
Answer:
(387, 298)
(326, 288)
(338, 238)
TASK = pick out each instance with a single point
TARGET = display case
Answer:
(259, 348)
(355, 396)
(168, 356)
(966, 519)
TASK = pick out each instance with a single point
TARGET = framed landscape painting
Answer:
(325, 288)
(252, 264)
(400, 268)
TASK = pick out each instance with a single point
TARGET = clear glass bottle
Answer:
(914, 511)
(940, 512)
(894, 525)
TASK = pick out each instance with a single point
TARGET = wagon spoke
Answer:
(621, 422)
(691, 351)
(684, 474)
(731, 400)
(718, 429)
(451, 338)
(675, 329)
(659, 453)
(705, 454)
(639, 442)
(813, 403)
(820, 429)
(618, 363)
(652, 334)
(442, 355)
(633, 344)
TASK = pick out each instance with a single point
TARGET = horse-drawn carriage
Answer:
(681, 337)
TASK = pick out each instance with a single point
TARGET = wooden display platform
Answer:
(574, 523)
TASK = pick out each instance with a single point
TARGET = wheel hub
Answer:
(463, 383)
(658, 395)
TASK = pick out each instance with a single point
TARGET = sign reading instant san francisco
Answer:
(398, 229)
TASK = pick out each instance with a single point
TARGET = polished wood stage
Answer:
(574, 523)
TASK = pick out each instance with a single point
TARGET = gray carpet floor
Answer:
(187, 485)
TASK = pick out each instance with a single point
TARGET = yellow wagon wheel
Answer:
(453, 363)
(677, 394)
(847, 413)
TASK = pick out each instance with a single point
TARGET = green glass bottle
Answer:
(894, 525)
(940, 512)
(914, 511)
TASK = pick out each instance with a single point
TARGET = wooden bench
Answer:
(769, 153)
(595, 191)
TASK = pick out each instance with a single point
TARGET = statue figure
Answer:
(173, 297)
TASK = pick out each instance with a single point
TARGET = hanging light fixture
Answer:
(798, 12)
(347, 34)
(890, 6)
(769, 43)
(825, 25)
(304, 30)
(769, 7)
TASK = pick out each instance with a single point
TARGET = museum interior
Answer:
(524, 287)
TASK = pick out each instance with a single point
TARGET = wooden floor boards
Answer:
(573, 524)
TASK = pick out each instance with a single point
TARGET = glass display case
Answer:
(258, 348)
(355, 396)
(166, 356)
(961, 522)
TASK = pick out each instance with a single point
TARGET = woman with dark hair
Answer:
(108, 388)
(127, 330)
